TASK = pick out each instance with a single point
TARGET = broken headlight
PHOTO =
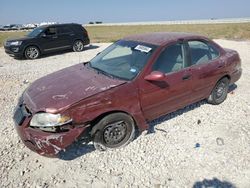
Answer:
(49, 120)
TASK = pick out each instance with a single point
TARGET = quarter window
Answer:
(202, 52)
(171, 59)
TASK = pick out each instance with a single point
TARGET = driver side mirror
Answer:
(155, 76)
(43, 35)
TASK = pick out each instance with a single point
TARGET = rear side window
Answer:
(202, 52)
(64, 30)
(171, 59)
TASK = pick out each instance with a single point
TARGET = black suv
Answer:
(47, 39)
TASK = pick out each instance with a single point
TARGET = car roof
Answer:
(161, 38)
(56, 25)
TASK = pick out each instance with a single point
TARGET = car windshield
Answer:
(35, 32)
(123, 59)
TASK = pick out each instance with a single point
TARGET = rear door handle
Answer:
(186, 77)
(54, 37)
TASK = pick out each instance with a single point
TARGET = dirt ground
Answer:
(200, 145)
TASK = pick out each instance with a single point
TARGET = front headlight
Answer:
(49, 120)
(15, 43)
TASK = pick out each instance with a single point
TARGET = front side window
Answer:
(171, 59)
(123, 59)
(202, 52)
(50, 31)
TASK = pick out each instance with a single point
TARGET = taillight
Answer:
(238, 62)
(85, 33)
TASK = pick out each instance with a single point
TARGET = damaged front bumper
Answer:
(48, 144)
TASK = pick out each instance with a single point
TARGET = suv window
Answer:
(202, 52)
(64, 30)
(171, 59)
(50, 31)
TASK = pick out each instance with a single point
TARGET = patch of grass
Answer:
(100, 33)
(10, 34)
(215, 31)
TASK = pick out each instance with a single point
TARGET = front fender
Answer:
(121, 99)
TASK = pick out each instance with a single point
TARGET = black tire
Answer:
(31, 52)
(78, 46)
(113, 131)
(219, 93)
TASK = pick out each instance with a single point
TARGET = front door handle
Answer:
(186, 77)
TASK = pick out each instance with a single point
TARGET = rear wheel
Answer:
(78, 46)
(219, 93)
(32, 52)
(114, 131)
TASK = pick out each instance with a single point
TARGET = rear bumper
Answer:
(235, 76)
(48, 144)
(86, 41)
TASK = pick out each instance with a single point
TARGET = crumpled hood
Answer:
(61, 89)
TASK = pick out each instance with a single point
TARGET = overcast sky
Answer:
(84, 11)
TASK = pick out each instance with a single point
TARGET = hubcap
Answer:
(115, 133)
(32, 53)
(78, 46)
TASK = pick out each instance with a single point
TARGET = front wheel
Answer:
(78, 46)
(219, 93)
(113, 131)
(32, 52)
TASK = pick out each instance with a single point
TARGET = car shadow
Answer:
(232, 87)
(75, 150)
(179, 112)
(88, 47)
(85, 145)
(91, 47)
(79, 148)
(172, 115)
(214, 183)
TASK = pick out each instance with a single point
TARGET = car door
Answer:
(174, 91)
(65, 36)
(206, 67)
(48, 40)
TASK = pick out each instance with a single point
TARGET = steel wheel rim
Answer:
(78, 46)
(115, 133)
(220, 90)
(32, 52)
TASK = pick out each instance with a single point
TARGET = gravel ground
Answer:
(198, 145)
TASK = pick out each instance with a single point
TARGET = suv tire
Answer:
(32, 52)
(78, 46)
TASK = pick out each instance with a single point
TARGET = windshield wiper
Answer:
(100, 71)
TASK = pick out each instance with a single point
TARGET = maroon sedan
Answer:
(130, 83)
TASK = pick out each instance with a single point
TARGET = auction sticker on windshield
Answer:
(143, 48)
